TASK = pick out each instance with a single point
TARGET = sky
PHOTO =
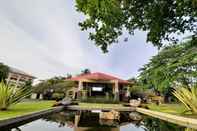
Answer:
(42, 38)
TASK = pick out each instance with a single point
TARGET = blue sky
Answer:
(42, 37)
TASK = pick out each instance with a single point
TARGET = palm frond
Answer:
(188, 97)
(11, 95)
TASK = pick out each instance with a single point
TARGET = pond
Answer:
(88, 121)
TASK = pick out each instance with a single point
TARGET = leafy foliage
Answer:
(106, 19)
(154, 124)
(136, 90)
(188, 97)
(3, 72)
(11, 95)
(85, 71)
(173, 66)
(53, 85)
(58, 96)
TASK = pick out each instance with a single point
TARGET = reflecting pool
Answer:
(88, 121)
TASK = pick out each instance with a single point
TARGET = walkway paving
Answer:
(179, 120)
(76, 107)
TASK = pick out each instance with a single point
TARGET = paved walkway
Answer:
(76, 107)
(179, 120)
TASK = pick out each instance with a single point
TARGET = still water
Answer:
(87, 121)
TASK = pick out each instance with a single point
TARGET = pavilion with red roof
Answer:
(100, 85)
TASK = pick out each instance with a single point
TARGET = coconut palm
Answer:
(11, 95)
(188, 96)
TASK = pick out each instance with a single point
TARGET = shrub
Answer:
(187, 96)
(58, 96)
(138, 92)
(11, 95)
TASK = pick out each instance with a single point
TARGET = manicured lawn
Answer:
(95, 105)
(25, 108)
(168, 108)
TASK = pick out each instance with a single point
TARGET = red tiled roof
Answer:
(98, 76)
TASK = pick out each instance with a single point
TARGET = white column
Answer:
(80, 86)
(116, 87)
(116, 91)
(18, 79)
(8, 79)
(128, 92)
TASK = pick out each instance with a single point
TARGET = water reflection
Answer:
(153, 124)
(87, 121)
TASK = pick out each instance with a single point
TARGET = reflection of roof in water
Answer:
(92, 120)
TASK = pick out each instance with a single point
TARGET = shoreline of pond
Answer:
(179, 120)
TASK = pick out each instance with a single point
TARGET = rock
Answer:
(135, 116)
(64, 102)
(110, 115)
(135, 103)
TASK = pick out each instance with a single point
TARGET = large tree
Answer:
(161, 19)
(3, 72)
(57, 84)
(174, 65)
(85, 71)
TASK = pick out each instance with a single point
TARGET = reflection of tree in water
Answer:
(15, 129)
(189, 129)
(18, 129)
(63, 118)
(148, 123)
(153, 124)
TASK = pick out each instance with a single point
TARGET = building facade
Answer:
(18, 78)
(100, 85)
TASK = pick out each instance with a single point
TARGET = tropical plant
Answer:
(3, 72)
(107, 20)
(11, 95)
(85, 71)
(175, 64)
(58, 96)
(187, 96)
(53, 85)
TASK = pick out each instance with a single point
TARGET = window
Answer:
(99, 89)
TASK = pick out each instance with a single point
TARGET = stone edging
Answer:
(179, 120)
(16, 121)
(76, 107)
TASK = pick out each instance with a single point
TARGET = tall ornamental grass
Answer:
(11, 95)
(187, 96)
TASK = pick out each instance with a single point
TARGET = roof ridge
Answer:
(97, 76)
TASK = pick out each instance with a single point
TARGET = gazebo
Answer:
(100, 84)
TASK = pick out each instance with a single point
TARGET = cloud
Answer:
(43, 38)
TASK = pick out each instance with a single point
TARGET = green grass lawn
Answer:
(168, 108)
(30, 107)
(25, 108)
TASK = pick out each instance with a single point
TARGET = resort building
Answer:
(100, 85)
(18, 78)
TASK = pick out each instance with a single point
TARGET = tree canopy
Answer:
(4, 70)
(173, 66)
(161, 19)
(85, 71)
(57, 84)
